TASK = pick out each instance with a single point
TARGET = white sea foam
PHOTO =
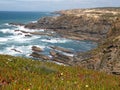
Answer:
(55, 40)
(64, 53)
(3, 39)
(7, 24)
(67, 54)
(27, 29)
(9, 51)
(19, 44)
(19, 50)
(34, 21)
(20, 28)
(6, 31)
(22, 38)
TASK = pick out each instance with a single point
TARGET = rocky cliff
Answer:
(100, 24)
(106, 57)
(81, 24)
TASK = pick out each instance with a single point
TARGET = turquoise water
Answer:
(11, 39)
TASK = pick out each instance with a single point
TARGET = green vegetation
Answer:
(18, 73)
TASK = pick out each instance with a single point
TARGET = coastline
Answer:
(86, 24)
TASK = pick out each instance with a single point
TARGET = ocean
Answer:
(10, 39)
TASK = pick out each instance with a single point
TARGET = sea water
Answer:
(10, 39)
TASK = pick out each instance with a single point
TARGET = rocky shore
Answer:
(100, 24)
(80, 24)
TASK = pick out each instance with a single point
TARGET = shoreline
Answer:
(87, 24)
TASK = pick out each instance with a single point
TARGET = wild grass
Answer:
(18, 73)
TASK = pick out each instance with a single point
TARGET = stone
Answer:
(16, 24)
(28, 35)
(61, 58)
(16, 50)
(36, 49)
(40, 56)
(53, 53)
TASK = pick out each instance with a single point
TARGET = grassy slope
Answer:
(24, 74)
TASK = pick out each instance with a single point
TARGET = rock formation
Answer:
(101, 24)
(36, 49)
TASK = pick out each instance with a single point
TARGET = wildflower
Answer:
(86, 86)
(61, 74)
(62, 79)
(10, 60)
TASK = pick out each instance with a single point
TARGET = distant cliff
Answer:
(81, 24)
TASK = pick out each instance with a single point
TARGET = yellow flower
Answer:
(86, 86)
(61, 74)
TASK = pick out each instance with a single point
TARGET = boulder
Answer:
(61, 58)
(40, 56)
(36, 49)
(16, 50)
(53, 53)
(16, 24)
(27, 35)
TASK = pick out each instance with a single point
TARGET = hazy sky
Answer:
(53, 5)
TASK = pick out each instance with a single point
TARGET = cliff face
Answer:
(106, 57)
(81, 24)
(101, 25)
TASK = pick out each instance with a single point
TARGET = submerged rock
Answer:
(27, 35)
(16, 50)
(61, 49)
(53, 53)
(17, 24)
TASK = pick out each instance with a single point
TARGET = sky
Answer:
(54, 5)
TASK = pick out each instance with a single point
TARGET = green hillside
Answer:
(18, 73)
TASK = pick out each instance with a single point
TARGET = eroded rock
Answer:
(36, 49)
(40, 56)
(61, 58)
(17, 24)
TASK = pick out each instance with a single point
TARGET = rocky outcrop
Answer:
(101, 24)
(37, 53)
(80, 28)
(36, 49)
(106, 57)
(61, 58)
(29, 33)
(39, 56)
(16, 50)
(53, 53)
(80, 24)
(17, 24)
